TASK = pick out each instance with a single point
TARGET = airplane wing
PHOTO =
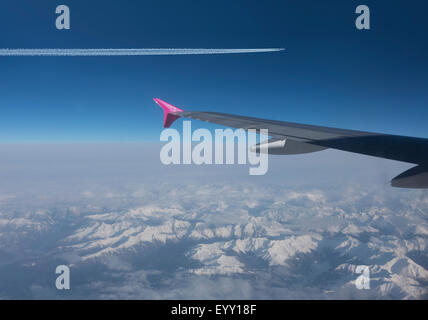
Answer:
(295, 138)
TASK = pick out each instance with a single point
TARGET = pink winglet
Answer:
(168, 118)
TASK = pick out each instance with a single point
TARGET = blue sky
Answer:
(330, 74)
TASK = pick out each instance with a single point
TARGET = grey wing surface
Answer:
(400, 148)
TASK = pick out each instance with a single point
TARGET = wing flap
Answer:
(285, 147)
(416, 177)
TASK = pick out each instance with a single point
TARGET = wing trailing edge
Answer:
(416, 178)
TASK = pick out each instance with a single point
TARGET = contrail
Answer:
(126, 52)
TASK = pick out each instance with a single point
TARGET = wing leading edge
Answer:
(302, 138)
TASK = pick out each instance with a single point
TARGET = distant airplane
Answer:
(294, 138)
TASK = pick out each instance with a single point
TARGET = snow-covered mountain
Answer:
(217, 239)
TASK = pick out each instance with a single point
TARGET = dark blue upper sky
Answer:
(330, 74)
